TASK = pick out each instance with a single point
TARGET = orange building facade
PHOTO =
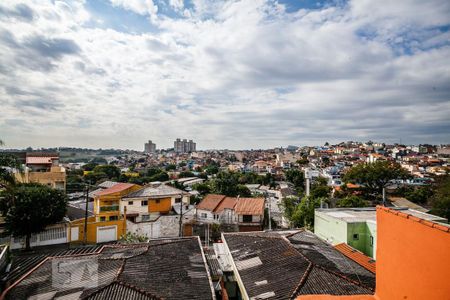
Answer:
(413, 260)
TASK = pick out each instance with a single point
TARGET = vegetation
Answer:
(297, 178)
(227, 183)
(440, 201)
(352, 201)
(29, 208)
(373, 177)
(303, 216)
(131, 238)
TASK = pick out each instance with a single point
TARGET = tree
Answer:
(202, 188)
(296, 177)
(440, 201)
(110, 171)
(419, 195)
(303, 215)
(227, 183)
(186, 174)
(89, 166)
(7, 162)
(351, 201)
(375, 176)
(171, 167)
(29, 208)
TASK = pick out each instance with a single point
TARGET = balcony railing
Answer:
(107, 208)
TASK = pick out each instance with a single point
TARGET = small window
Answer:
(157, 201)
(371, 241)
(246, 218)
(113, 218)
(102, 219)
(144, 203)
(204, 215)
(130, 202)
(145, 217)
(355, 236)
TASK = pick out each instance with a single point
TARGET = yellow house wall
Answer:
(163, 206)
(92, 228)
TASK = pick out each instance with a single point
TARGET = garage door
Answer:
(106, 234)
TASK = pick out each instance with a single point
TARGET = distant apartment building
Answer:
(43, 168)
(149, 147)
(184, 146)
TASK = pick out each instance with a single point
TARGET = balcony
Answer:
(108, 208)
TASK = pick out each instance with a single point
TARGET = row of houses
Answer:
(295, 264)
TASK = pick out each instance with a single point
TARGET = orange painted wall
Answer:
(164, 205)
(413, 258)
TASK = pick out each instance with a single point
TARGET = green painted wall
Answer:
(330, 229)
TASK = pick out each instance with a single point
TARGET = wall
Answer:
(412, 257)
(92, 228)
(330, 229)
(163, 206)
(361, 243)
(371, 231)
(52, 235)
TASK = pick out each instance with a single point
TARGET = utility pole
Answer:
(86, 215)
(384, 196)
(181, 217)
(270, 207)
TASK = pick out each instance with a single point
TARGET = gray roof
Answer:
(159, 269)
(270, 266)
(156, 192)
(107, 184)
(364, 214)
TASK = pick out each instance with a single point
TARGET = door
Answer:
(74, 231)
(106, 234)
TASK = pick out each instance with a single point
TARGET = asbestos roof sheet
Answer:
(120, 187)
(159, 269)
(156, 191)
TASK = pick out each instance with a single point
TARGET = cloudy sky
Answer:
(228, 74)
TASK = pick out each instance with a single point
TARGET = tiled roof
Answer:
(40, 159)
(210, 202)
(107, 184)
(115, 189)
(269, 266)
(324, 255)
(160, 269)
(250, 206)
(156, 191)
(228, 202)
(357, 256)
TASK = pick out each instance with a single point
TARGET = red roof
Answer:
(40, 160)
(357, 256)
(250, 206)
(210, 202)
(120, 187)
(228, 202)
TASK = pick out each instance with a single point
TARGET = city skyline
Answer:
(227, 74)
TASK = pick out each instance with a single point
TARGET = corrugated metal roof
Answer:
(156, 191)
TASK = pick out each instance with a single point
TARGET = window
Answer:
(113, 218)
(130, 202)
(371, 241)
(102, 219)
(204, 215)
(144, 203)
(157, 201)
(145, 217)
(355, 236)
(246, 218)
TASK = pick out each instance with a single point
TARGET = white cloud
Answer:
(142, 7)
(235, 74)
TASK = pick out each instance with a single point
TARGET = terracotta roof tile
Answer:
(210, 202)
(228, 202)
(250, 206)
(357, 256)
(116, 188)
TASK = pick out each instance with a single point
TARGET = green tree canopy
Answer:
(110, 171)
(296, 177)
(440, 200)
(375, 176)
(352, 201)
(303, 215)
(29, 208)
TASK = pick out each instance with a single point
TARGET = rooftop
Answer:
(363, 214)
(159, 191)
(250, 206)
(357, 256)
(120, 187)
(210, 202)
(271, 266)
(160, 269)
